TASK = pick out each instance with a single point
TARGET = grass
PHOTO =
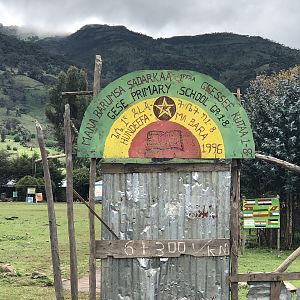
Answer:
(24, 150)
(265, 260)
(29, 123)
(24, 243)
(35, 94)
(26, 120)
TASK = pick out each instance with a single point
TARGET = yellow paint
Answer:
(139, 115)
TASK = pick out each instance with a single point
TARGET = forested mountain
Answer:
(26, 73)
(230, 58)
(28, 58)
(29, 68)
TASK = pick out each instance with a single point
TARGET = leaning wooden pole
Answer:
(278, 162)
(51, 157)
(69, 197)
(51, 215)
(92, 260)
(288, 261)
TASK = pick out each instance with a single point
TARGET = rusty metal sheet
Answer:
(167, 206)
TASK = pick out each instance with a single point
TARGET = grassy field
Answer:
(24, 243)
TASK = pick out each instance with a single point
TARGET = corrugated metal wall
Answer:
(180, 205)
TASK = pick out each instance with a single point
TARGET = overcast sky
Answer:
(278, 20)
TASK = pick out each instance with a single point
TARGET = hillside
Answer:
(29, 68)
(26, 73)
(230, 58)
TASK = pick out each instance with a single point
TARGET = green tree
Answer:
(3, 135)
(81, 181)
(5, 167)
(24, 165)
(73, 80)
(273, 104)
(56, 169)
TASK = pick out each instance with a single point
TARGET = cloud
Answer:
(274, 19)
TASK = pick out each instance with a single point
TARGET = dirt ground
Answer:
(83, 283)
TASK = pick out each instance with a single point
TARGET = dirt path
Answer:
(83, 283)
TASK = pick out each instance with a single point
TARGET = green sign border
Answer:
(134, 87)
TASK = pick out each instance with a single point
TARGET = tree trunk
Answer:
(290, 220)
(287, 228)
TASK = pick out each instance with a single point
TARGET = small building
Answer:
(6, 190)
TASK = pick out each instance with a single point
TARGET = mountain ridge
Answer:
(230, 58)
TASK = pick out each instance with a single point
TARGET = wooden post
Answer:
(235, 224)
(275, 290)
(69, 196)
(92, 260)
(51, 216)
(235, 218)
(278, 241)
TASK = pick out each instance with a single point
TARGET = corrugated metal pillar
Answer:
(167, 205)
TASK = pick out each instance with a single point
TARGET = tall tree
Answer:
(74, 80)
(273, 104)
(5, 167)
(24, 165)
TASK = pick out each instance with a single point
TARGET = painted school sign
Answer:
(165, 114)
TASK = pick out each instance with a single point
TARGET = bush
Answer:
(8, 147)
(30, 181)
(17, 138)
(51, 144)
(15, 148)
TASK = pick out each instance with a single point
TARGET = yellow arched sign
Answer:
(165, 114)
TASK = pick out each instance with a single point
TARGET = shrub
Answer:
(15, 148)
(51, 144)
(29, 181)
(8, 147)
(17, 138)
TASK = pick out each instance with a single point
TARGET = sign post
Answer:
(262, 213)
(166, 139)
(15, 195)
(30, 194)
(38, 197)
